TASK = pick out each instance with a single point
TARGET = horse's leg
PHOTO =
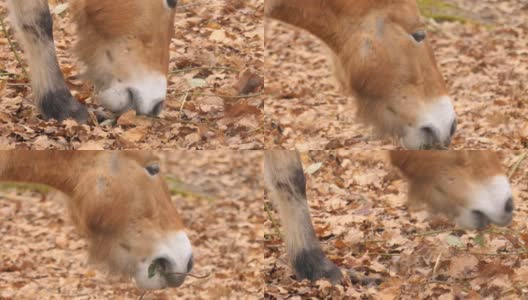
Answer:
(286, 184)
(34, 25)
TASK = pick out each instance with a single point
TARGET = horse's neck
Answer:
(57, 169)
(323, 19)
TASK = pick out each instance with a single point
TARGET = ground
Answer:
(214, 94)
(219, 195)
(358, 207)
(485, 66)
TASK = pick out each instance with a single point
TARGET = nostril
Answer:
(430, 135)
(190, 264)
(509, 205)
(162, 264)
(130, 94)
(157, 108)
(453, 127)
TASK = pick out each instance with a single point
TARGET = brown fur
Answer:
(133, 32)
(113, 201)
(450, 172)
(442, 181)
(374, 56)
(123, 45)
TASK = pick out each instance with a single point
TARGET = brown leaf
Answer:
(248, 82)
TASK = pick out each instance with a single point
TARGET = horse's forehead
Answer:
(118, 162)
(408, 16)
(142, 157)
(380, 24)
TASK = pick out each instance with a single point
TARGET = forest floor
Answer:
(214, 87)
(219, 196)
(358, 206)
(485, 66)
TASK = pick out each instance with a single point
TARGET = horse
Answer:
(119, 201)
(124, 46)
(469, 187)
(383, 58)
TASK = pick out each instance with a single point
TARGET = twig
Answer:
(499, 254)
(222, 96)
(505, 233)
(8, 74)
(188, 274)
(4, 30)
(434, 232)
(438, 282)
(203, 68)
(18, 84)
(385, 254)
(183, 104)
(142, 295)
(255, 130)
(519, 287)
(436, 265)
(516, 165)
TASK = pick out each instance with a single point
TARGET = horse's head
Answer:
(123, 206)
(470, 187)
(382, 56)
(124, 46)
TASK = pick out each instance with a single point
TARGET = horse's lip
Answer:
(166, 266)
(483, 219)
(174, 280)
(505, 221)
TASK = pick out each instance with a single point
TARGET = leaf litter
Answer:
(218, 194)
(216, 66)
(357, 203)
(485, 65)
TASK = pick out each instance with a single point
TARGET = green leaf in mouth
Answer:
(153, 269)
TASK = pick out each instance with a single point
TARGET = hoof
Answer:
(313, 265)
(61, 105)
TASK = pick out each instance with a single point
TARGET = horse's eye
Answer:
(153, 169)
(172, 3)
(419, 36)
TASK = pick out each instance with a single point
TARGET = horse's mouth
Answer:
(482, 220)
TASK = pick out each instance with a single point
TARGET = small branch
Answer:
(188, 274)
(505, 233)
(499, 254)
(437, 263)
(183, 104)
(434, 232)
(438, 282)
(515, 166)
(222, 96)
(18, 84)
(203, 68)
(386, 254)
(8, 74)
(12, 46)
